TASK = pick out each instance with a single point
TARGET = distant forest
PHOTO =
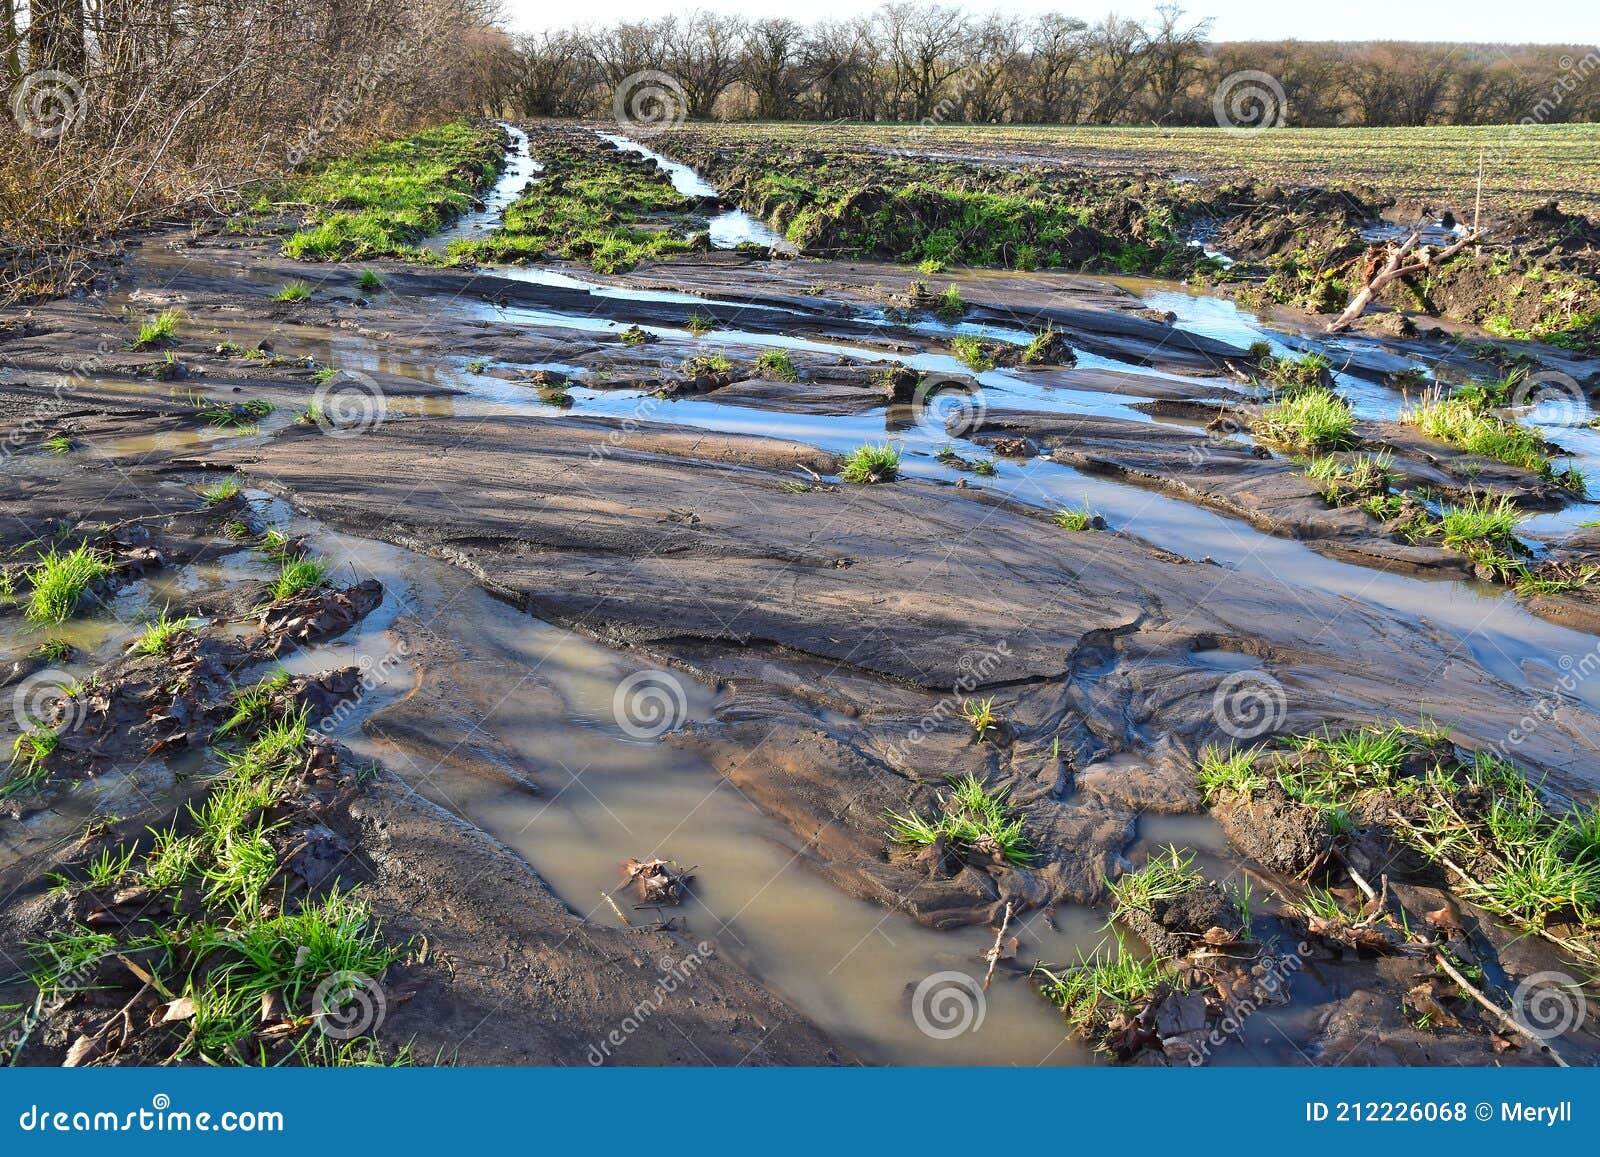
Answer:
(937, 63)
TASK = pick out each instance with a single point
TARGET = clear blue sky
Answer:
(1528, 22)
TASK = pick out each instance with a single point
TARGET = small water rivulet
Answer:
(519, 168)
(728, 229)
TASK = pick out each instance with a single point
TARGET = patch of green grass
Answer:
(1293, 374)
(252, 705)
(58, 444)
(1232, 770)
(777, 364)
(159, 635)
(930, 266)
(1093, 992)
(55, 650)
(240, 417)
(985, 467)
(1345, 480)
(223, 490)
(969, 350)
(593, 205)
(1069, 518)
(970, 817)
(1314, 420)
(1166, 876)
(298, 574)
(711, 364)
(1042, 347)
(1459, 421)
(949, 304)
(1481, 519)
(159, 330)
(30, 750)
(294, 291)
(370, 280)
(60, 581)
(322, 375)
(871, 463)
(277, 545)
(384, 200)
(700, 325)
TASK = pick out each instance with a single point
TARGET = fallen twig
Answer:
(993, 955)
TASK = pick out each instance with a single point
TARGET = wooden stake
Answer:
(1477, 207)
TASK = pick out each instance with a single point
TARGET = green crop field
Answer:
(1524, 165)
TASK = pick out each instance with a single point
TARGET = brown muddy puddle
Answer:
(548, 695)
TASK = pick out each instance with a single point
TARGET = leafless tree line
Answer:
(118, 109)
(915, 62)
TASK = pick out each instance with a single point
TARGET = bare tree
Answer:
(703, 55)
(770, 65)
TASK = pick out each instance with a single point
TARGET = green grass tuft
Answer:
(60, 581)
(871, 463)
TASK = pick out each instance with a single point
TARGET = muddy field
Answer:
(766, 656)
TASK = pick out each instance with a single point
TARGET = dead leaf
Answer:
(179, 1010)
(84, 1050)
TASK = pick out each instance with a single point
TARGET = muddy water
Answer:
(549, 695)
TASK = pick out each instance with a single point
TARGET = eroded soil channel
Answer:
(623, 591)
